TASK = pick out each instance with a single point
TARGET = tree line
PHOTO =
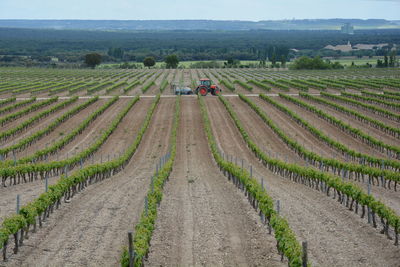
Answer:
(261, 45)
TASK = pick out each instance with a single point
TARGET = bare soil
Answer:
(331, 130)
(17, 121)
(368, 113)
(366, 128)
(91, 229)
(60, 131)
(203, 219)
(43, 121)
(294, 130)
(291, 128)
(336, 236)
(92, 132)
(114, 146)
(268, 141)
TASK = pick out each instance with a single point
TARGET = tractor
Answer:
(205, 86)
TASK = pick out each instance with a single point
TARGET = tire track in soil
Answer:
(116, 143)
(336, 237)
(203, 219)
(376, 133)
(331, 130)
(91, 230)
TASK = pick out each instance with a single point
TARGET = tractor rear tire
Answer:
(216, 91)
(203, 91)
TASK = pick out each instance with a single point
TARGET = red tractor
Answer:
(206, 86)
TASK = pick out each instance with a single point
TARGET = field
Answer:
(283, 168)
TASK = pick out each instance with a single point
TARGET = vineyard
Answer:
(283, 168)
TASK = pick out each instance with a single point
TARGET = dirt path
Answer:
(91, 230)
(202, 219)
(14, 110)
(265, 137)
(19, 120)
(42, 121)
(92, 132)
(114, 145)
(294, 130)
(336, 236)
(380, 135)
(123, 134)
(331, 130)
(366, 112)
(60, 131)
(389, 197)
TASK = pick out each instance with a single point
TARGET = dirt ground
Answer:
(91, 230)
(58, 133)
(370, 130)
(336, 236)
(19, 120)
(113, 146)
(331, 130)
(37, 125)
(213, 225)
(305, 138)
(203, 220)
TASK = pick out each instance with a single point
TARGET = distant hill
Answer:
(132, 25)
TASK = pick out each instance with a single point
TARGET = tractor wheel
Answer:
(217, 91)
(203, 91)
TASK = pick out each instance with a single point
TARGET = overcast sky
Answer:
(194, 9)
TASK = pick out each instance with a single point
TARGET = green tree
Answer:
(92, 59)
(232, 63)
(172, 61)
(149, 62)
(283, 60)
(273, 59)
(314, 63)
(386, 61)
(379, 63)
(392, 58)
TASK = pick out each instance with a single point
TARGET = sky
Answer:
(253, 10)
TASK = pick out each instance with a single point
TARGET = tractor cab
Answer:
(205, 82)
(206, 86)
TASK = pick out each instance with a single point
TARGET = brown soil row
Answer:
(18, 108)
(310, 142)
(336, 236)
(203, 219)
(92, 132)
(268, 141)
(41, 124)
(116, 144)
(376, 133)
(367, 112)
(331, 130)
(92, 229)
(294, 130)
(17, 121)
(62, 130)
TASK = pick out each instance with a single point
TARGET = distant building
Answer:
(343, 48)
(347, 29)
(349, 47)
